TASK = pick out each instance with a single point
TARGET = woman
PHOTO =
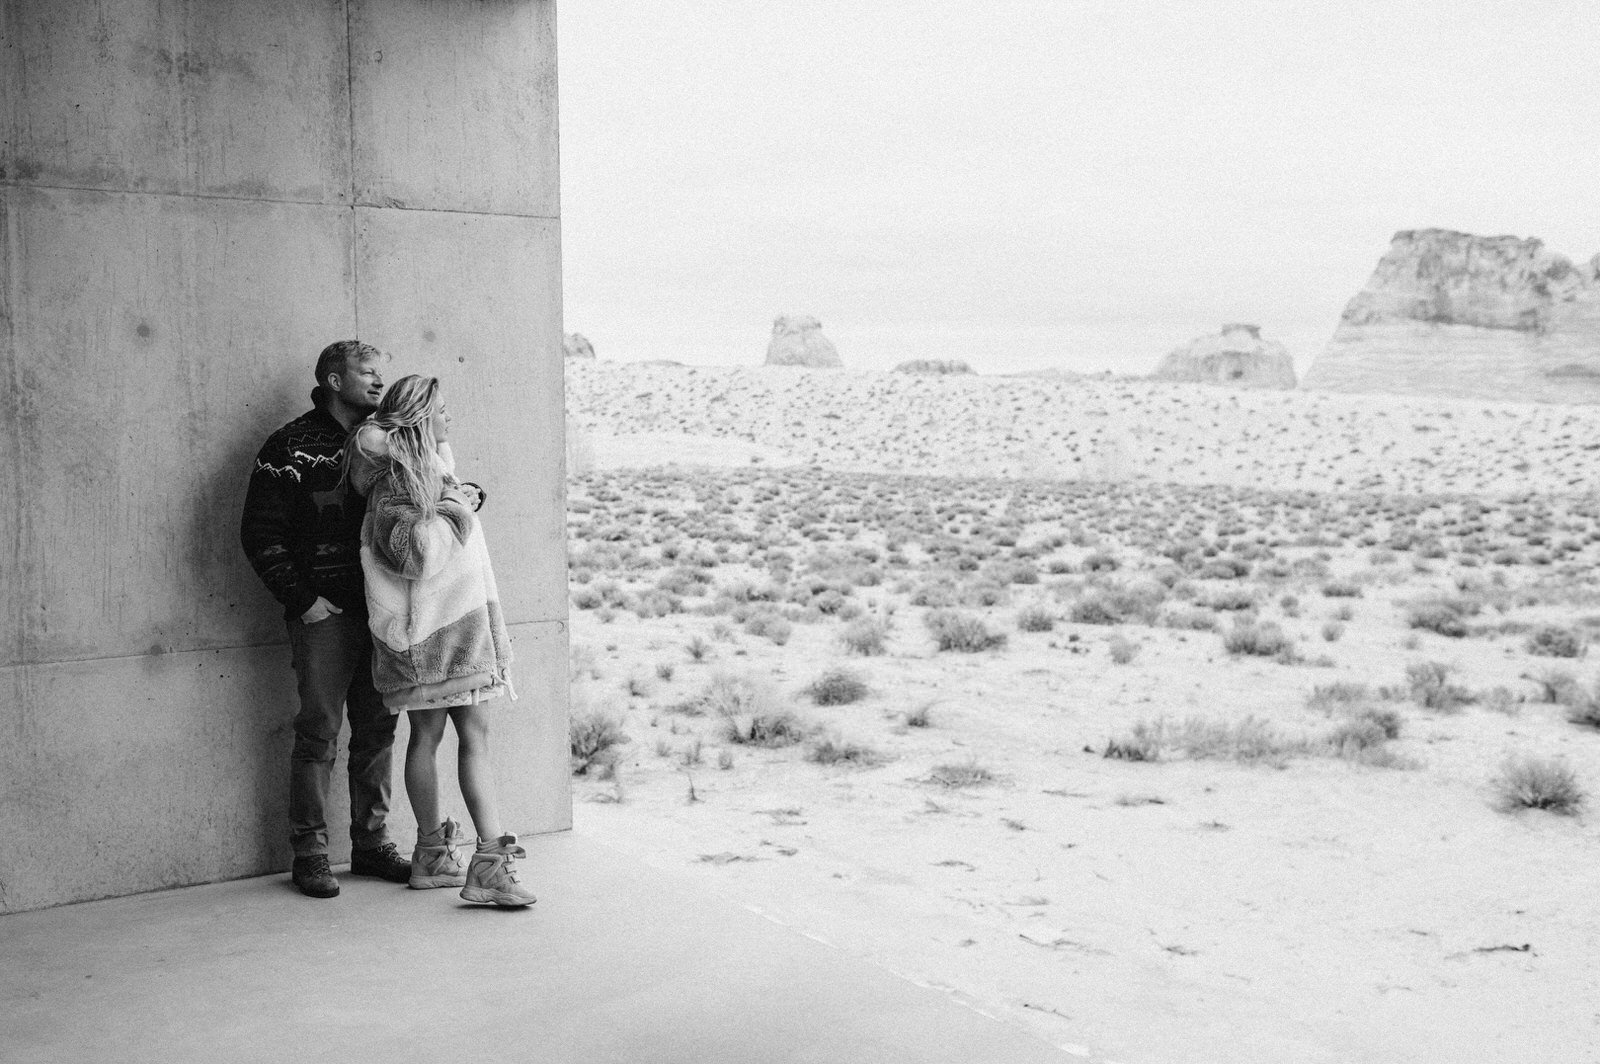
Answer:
(439, 641)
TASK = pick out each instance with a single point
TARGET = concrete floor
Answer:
(617, 962)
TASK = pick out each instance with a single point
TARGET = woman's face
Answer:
(439, 420)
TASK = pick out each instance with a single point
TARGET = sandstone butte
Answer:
(1237, 356)
(936, 366)
(1479, 317)
(797, 340)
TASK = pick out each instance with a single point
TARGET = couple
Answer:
(356, 523)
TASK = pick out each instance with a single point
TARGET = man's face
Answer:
(360, 386)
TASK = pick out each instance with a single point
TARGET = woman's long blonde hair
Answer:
(406, 418)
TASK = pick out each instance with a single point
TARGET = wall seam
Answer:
(285, 201)
(350, 149)
(13, 426)
(20, 663)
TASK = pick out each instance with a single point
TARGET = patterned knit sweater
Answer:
(301, 528)
(432, 603)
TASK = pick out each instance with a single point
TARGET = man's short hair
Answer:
(337, 356)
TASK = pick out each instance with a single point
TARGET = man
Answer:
(302, 532)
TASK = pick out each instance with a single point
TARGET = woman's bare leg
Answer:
(422, 770)
(475, 771)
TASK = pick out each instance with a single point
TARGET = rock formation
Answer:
(933, 365)
(1482, 317)
(576, 345)
(1237, 355)
(797, 340)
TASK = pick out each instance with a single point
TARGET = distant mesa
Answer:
(797, 340)
(1237, 355)
(1478, 317)
(576, 345)
(933, 366)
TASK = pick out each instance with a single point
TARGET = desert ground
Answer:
(1262, 728)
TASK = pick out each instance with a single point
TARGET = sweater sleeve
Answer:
(264, 528)
(411, 544)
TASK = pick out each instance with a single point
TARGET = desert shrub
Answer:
(1229, 599)
(1527, 782)
(832, 750)
(665, 670)
(962, 632)
(1223, 569)
(921, 717)
(1553, 641)
(1100, 562)
(964, 774)
(697, 648)
(1142, 743)
(1189, 618)
(729, 694)
(935, 596)
(1123, 650)
(1332, 631)
(1430, 686)
(1035, 619)
(745, 591)
(656, 603)
(984, 593)
(1356, 734)
(1251, 739)
(1339, 694)
(1500, 700)
(864, 636)
(830, 602)
(769, 624)
(1441, 617)
(1384, 718)
(1583, 703)
(1119, 604)
(1258, 638)
(1017, 572)
(592, 736)
(837, 687)
(1093, 609)
(587, 598)
(581, 663)
(779, 727)
(684, 581)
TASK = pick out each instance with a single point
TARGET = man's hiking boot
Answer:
(436, 862)
(492, 875)
(313, 876)
(383, 861)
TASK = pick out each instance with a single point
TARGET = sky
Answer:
(1035, 184)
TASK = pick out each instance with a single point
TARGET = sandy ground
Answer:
(1109, 430)
(1298, 906)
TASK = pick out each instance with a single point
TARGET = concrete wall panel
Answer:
(474, 300)
(167, 337)
(455, 113)
(227, 97)
(145, 772)
(164, 770)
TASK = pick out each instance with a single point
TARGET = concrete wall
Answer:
(194, 199)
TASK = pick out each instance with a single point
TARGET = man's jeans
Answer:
(333, 662)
